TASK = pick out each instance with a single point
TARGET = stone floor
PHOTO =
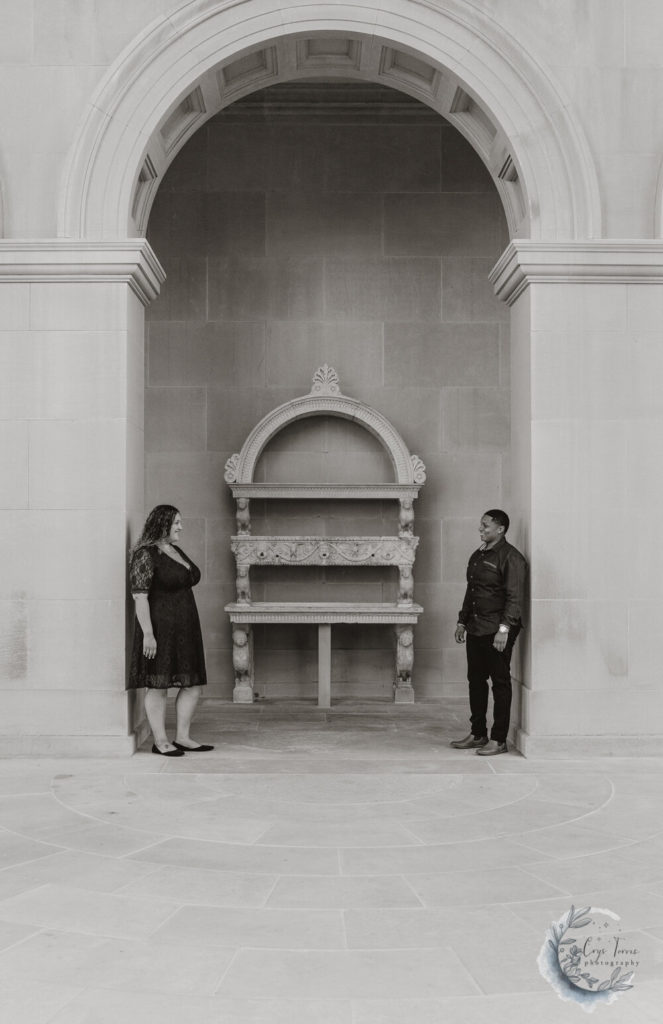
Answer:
(319, 867)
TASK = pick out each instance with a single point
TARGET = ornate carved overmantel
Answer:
(325, 399)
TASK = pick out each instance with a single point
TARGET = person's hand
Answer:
(459, 635)
(149, 645)
(499, 641)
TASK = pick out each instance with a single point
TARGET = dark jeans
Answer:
(484, 662)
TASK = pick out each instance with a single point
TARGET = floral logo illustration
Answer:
(587, 958)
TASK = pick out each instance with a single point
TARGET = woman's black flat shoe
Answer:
(168, 753)
(193, 750)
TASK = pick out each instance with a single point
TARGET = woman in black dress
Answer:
(168, 645)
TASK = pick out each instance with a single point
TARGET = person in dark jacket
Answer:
(490, 621)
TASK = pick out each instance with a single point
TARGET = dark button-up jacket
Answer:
(495, 589)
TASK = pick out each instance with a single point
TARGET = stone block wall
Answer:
(300, 227)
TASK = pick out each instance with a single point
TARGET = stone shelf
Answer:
(334, 492)
(326, 612)
(325, 399)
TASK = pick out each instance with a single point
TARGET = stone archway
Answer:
(204, 56)
(461, 63)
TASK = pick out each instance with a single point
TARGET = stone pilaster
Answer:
(71, 372)
(587, 447)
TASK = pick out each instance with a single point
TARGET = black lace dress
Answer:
(180, 658)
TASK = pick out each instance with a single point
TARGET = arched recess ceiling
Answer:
(184, 69)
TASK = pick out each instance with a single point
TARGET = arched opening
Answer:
(186, 69)
(203, 58)
(329, 222)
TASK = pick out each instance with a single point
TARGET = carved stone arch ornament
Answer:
(186, 67)
(325, 399)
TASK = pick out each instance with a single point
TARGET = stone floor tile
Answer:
(349, 974)
(637, 907)
(284, 1011)
(17, 850)
(34, 782)
(203, 887)
(648, 853)
(427, 928)
(472, 795)
(84, 870)
(147, 864)
(573, 839)
(328, 892)
(69, 909)
(105, 1006)
(486, 853)
(117, 965)
(353, 834)
(587, 790)
(473, 888)
(512, 819)
(594, 871)
(49, 957)
(34, 1004)
(271, 928)
(34, 814)
(12, 933)
(103, 839)
(223, 857)
(631, 823)
(544, 1007)
(500, 968)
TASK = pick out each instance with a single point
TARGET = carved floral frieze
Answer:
(324, 551)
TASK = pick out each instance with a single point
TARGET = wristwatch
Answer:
(503, 629)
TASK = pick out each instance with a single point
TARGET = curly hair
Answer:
(157, 526)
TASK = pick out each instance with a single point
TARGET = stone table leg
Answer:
(324, 666)
(403, 690)
(243, 664)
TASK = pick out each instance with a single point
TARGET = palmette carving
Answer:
(418, 470)
(230, 474)
(325, 381)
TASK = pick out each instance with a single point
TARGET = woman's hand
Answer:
(459, 635)
(149, 645)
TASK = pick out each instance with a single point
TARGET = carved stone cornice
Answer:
(601, 261)
(131, 261)
(324, 550)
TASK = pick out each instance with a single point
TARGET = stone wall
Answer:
(353, 226)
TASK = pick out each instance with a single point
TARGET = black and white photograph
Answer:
(331, 449)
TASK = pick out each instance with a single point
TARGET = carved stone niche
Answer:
(325, 399)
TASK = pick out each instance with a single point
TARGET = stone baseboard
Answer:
(68, 746)
(572, 748)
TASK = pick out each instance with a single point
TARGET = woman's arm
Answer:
(143, 616)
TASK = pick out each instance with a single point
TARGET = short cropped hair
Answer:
(499, 517)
